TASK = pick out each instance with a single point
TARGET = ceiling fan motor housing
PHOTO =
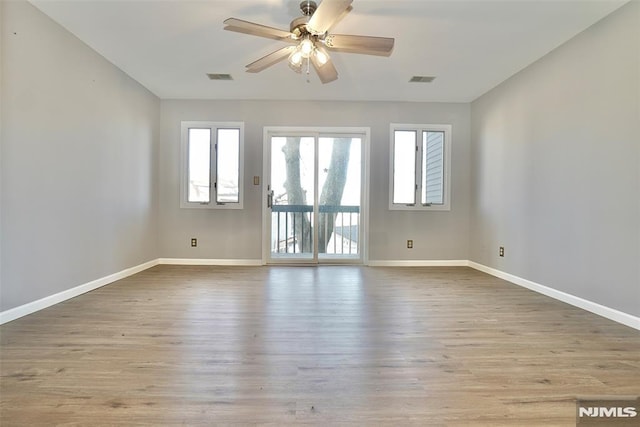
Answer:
(298, 27)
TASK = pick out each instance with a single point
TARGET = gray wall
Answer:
(79, 162)
(233, 234)
(556, 167)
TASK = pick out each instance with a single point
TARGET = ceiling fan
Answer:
(310, 39)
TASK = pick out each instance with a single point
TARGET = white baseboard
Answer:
(418, 263)
(601, 310)
(32, 307)
(206, 261)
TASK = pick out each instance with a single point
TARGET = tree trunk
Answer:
(333, 189)
(296, 195)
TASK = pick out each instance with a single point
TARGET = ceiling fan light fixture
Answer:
(296, 67)
(295, 58)
(306, 47)
(321, 56)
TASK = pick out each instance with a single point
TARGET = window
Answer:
(212, 164)
(420, 167)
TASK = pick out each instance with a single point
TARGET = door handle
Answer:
(270, 199)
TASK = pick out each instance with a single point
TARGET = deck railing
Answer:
(292, 229)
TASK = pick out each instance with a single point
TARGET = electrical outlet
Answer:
(501, 252)
(410, 244)
(194, 242)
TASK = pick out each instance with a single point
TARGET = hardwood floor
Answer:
(332, 345)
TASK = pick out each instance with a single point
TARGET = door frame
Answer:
(316, 132)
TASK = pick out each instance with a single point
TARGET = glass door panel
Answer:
(339, 187)
(292, 197)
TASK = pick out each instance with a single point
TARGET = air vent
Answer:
(422, 79)
(219, 76)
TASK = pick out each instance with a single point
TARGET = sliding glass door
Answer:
(314, 196)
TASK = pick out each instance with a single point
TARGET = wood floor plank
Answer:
(334, 345)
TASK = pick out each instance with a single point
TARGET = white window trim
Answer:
(419, 128)
(184, 179)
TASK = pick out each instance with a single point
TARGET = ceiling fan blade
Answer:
(246, 27)
(327, 71)
(327, 14)
(270, 59)
(360, 44)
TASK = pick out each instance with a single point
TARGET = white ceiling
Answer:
(470, 46)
